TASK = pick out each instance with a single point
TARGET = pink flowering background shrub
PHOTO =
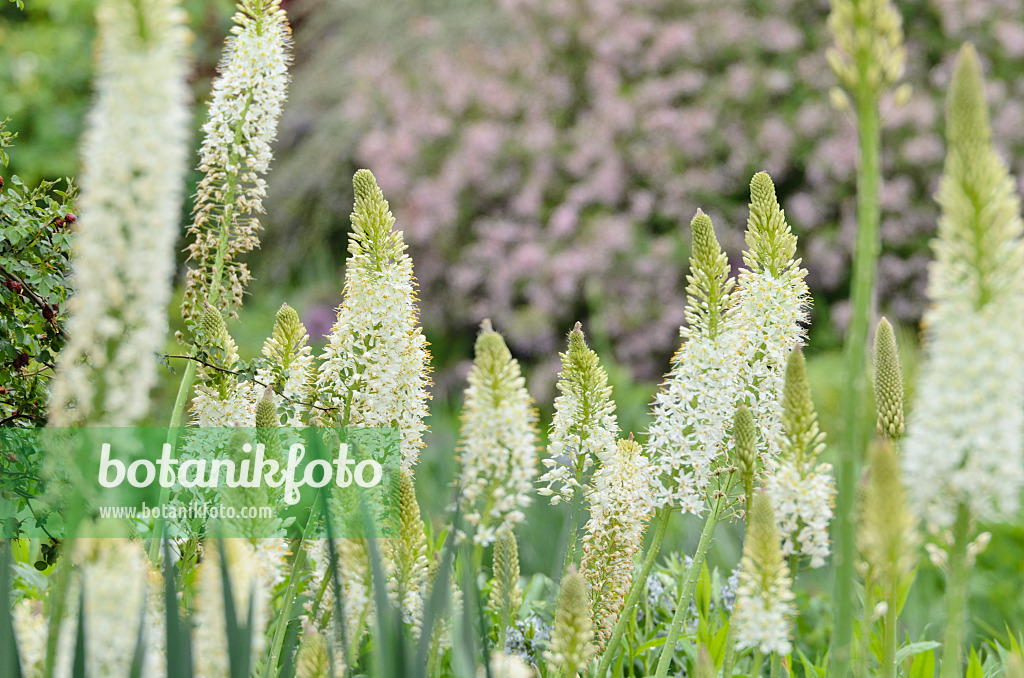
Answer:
(545, 156)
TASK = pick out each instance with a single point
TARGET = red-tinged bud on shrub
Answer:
(1, 182)
(14, 286)
(70, 218)
(21, 361)
(48, 312)
(57, 223)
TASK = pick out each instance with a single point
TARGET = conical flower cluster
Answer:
(620, 506)
(965, 436)
(584, 427)
(869, 49)
(506, 595)
(801, 489)
(376, 366)
(763, 610)
(887, 536)
(407, 554)
(135, 150)
(571, 638)
(497, 440)
(888, 382)
(220, 399)
(248, 94)
(290, 367)
(734, 352)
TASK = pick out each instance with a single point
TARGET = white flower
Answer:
(376, 366)
(763, 611)
(506, 666)
(248, 94)
(735, 352)
(803, 508)
(135, 150)
(965, 434)
(497, 441)
(584, 427)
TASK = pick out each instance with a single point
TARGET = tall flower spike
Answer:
(695, 405)
(964, 435)
(135, 150)
(801, 489)
(869, 49)
(888, 382)
(770, 310)
(497, 440)
(407, 553)
(220, 400)
(376, 366)
(887, 533)
(248, 94)
(620, 506)
(584, 427)
(571, 647)
(764, 602)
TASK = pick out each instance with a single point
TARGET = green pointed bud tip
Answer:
(490, 345)
(762, 527)
(966, 109)
(212, 322)
(576, 337)
(572, 598)
(745, 436)
(266, 410)
(762, 190)
(888, 381)
(705, 245)
(287, 317)
(797, 404)
(365, 185)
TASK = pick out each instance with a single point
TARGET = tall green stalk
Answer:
(856, 384)
(956, 596)
(639, 582)
(891, 623)
(683, 604)
(868, 57)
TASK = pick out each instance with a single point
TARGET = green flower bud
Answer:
(887, 536)
(709, 286)
(373, 236)
(506, 596)
(888, 382)
(799, 420)
(771, 244)
(868, 55)
(571, 647)
(745, 436)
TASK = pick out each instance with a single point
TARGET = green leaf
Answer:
(923, 665)
(915, 649)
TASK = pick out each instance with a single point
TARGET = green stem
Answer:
(172, 439)
(956, 596)
(891, 621)
(577, 506)
(755, 669)
(855, 387)
(669, 648)
(639, 582)
(776, 664)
